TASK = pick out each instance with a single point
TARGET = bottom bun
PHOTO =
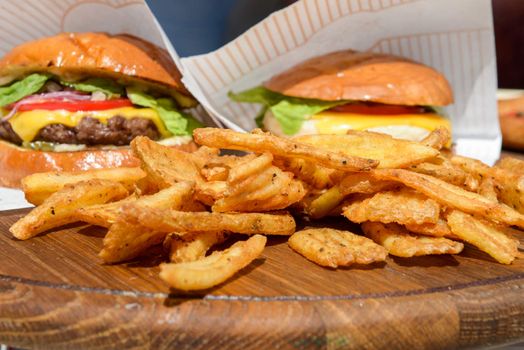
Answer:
(511, 117)
(16, 162)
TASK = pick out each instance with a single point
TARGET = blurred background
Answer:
(508, 19)
(200, 26)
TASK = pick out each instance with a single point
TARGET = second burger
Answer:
(345, 90)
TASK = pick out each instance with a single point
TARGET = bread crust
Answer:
(511, 118)
(16, 162)
(364, 76)
(94, 54)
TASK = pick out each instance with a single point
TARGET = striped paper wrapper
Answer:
(454, 37)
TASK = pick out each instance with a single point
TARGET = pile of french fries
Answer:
(410, 199)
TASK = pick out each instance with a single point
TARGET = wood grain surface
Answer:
(54, 293)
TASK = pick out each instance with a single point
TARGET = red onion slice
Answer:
(65, 96)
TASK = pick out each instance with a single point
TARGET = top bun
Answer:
(93, 54)
(364, 76)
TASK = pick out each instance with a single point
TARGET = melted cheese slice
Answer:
(339, 123)
(412, 127)
(28, 124)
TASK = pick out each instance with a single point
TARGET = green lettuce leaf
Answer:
(109, 87)
(259, 119)
(290, 112)
(140, 98)
(178, 123)
(22, 88)
(257, 94)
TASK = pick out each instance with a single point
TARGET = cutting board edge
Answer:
(480, 315)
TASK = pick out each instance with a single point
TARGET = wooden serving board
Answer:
(54, 293)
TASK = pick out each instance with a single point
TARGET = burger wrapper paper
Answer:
(454, 37)
(26, 20)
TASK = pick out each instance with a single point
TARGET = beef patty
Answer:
(118, 131)
(7, 133)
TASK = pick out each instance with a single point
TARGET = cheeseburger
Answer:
(344, 90)
(76, 100)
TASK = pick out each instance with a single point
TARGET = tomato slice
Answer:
(75, 106)
(377, 109)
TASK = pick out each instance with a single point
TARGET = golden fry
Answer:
(399, 242)
(259, 186)
(511, 193)
(194, 247)
(60, 208)
(484, 236)
(403, 206)
(438, 138)
(453, 196)
(471, 165)
(102, 214)
(215, 268)
(364, 183)
(125, 240)
(291, 194)
(439, 229)
(204, 155)
(249, 167)
(512, 164)
(164, 165)
(450, 174)
(260, 143)
(183, 222)
(488, 189)
(37, 187)
(217, 173)
(334, 248)
(315, 175)
(471, 179)
(209, 192)
(208, 157)
(325, 203)
(381, 147)
(509, 184)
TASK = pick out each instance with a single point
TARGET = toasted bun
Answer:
(364, 76)
(511, 123)
(93, 54)
(16, 163)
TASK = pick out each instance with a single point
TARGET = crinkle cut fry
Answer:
(230, 139)
(399, 242)
(453, 196)
(178, 221)
(214, 269)
(334, 248)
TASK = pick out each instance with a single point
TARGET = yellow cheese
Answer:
(28, 124)
(339, 123)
